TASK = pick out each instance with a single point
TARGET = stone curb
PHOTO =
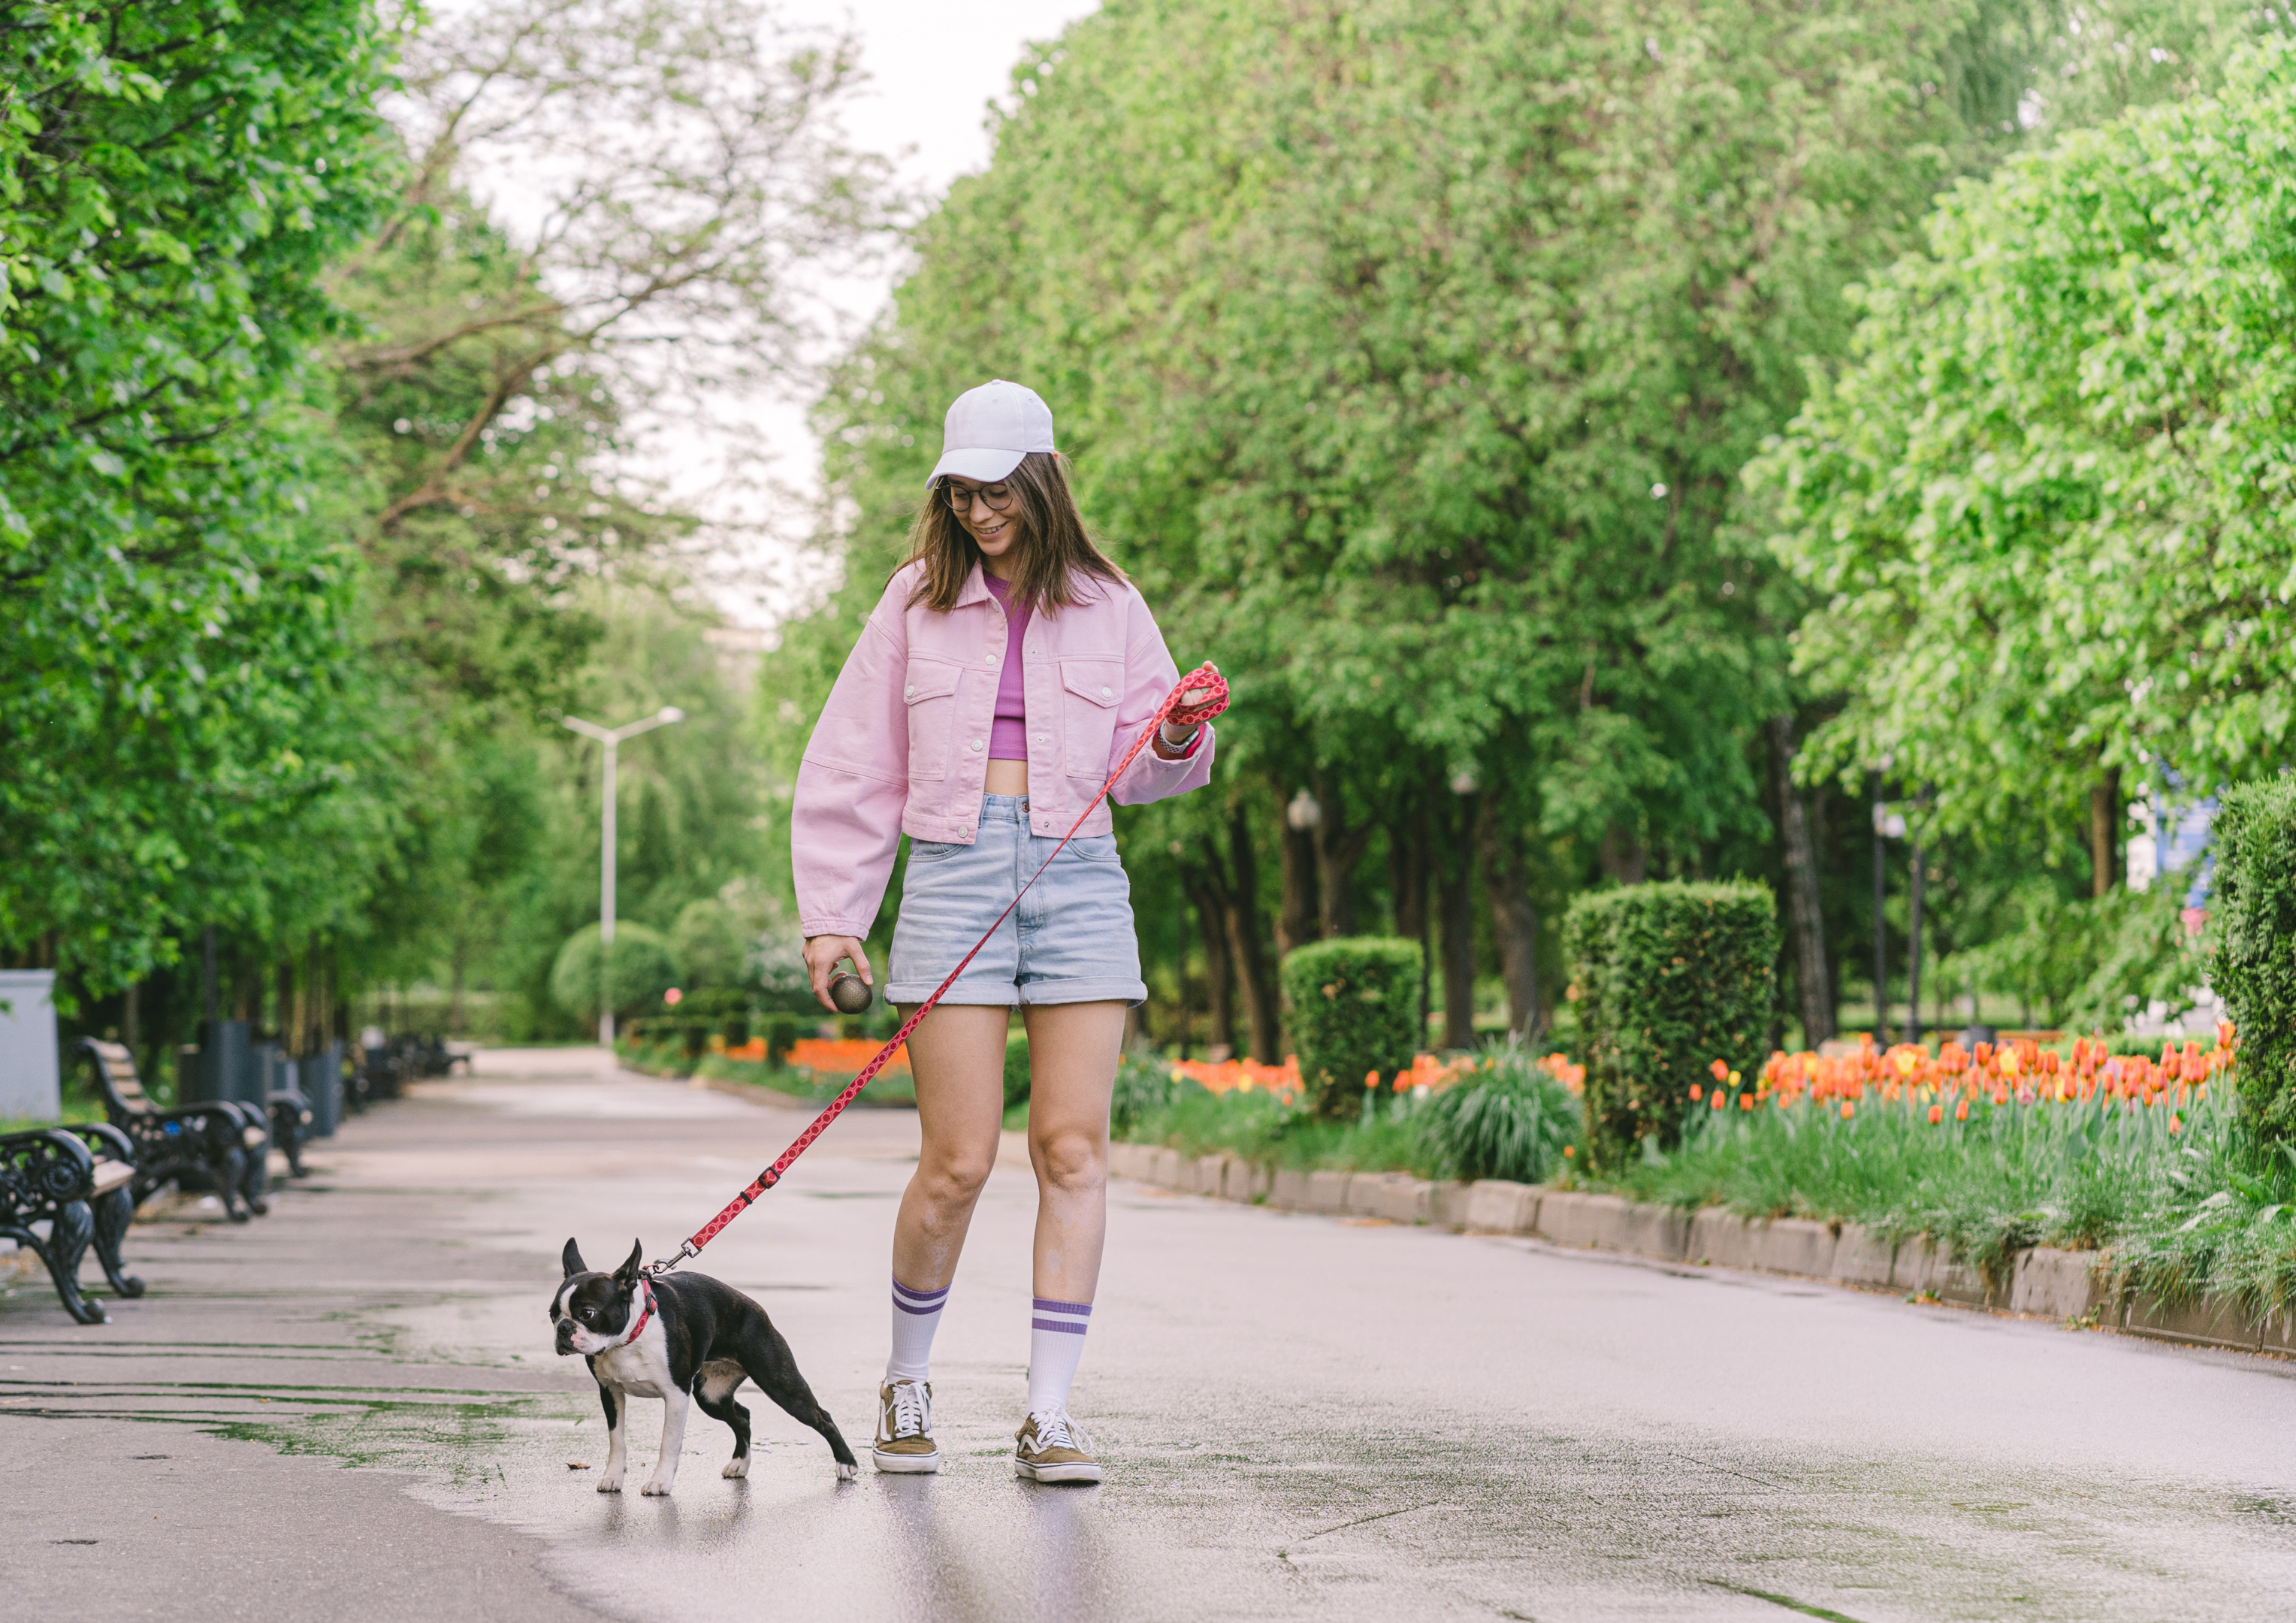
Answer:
(2042, 1282)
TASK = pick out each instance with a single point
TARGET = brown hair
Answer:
(1056, 552)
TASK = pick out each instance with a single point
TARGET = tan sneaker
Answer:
(1051, 1447)
(904, 1439)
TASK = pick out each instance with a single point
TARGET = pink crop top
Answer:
(1008, 730)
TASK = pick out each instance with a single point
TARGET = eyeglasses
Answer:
(960, 498)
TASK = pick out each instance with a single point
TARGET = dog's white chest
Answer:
(641, 1369)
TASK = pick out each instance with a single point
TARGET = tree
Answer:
(2045, 507)
(1408, 354)
(173, 180)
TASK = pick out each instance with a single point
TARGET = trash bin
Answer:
(322, 1079)
(221, 1062)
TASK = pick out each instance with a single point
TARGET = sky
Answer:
(933, 68)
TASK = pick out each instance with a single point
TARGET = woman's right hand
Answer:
(823, 954)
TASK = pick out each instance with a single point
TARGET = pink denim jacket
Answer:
(902, 746)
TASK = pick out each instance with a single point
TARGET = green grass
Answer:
(2205, 1210)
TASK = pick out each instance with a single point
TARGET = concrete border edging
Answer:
(2042, 1282)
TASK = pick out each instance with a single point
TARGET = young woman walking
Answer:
(1006, 669)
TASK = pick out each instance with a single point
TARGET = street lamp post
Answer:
(611, 738)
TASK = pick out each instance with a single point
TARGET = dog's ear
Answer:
(627, 1275)
(572, 1259)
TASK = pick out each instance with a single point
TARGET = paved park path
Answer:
(1303, 1417)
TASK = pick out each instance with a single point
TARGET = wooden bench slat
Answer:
(111, 1174)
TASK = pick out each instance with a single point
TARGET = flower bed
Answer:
(1498, 1113)
(1996, 1148)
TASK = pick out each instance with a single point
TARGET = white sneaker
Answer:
(1051, 1447)
(904, 1439)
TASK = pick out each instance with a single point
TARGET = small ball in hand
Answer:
(850, 993)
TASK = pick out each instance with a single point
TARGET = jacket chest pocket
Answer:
(929, 692)
(1090, 690)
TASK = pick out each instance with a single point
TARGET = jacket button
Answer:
(909, 692)
(992, 659)
(1107, 692)
(1044, 738)
(976, 743)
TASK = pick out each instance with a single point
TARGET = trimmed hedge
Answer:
(1667, 978)
(2252, 966)
(1354, 1009)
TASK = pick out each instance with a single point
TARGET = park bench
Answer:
(74, 1180)
(224, 1143)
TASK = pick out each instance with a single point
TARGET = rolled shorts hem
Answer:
(1035, 995)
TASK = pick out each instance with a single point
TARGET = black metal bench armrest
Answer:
(104, 1139)
(51, 1166)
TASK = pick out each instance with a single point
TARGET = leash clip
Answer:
(685, 1248)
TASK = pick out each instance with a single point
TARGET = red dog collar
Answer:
(638, 1329)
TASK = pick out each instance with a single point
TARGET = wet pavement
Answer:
(1300, 1416)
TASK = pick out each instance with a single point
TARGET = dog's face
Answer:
(592, 1311)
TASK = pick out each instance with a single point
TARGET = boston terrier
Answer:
(681, 1336)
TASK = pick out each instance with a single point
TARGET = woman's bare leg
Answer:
(956, 1056)
(1072, 1053)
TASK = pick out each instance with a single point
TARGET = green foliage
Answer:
(1016, 1070)
(639, 972)
(1354, 1009)
(2254, 966)
(1144, 1087)
(1670, 978)
(2046, 506)
(709, 946)
(1411, 387)
(173, 180)
(782, 1032)
(1510, 1119)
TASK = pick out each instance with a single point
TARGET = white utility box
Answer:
(30, 1082)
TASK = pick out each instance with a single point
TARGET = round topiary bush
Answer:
(642, 970)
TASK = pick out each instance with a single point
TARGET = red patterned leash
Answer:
(1209, 692)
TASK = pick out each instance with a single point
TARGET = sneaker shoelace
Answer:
(1055, 1429)
(906, 1412)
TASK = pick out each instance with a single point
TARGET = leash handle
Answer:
(1206, 692)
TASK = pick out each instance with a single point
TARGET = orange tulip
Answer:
(1720, 1069)
(1936, 1114)
(1697, 1092)
(1848, 1110)
(1718, 1100)
(1961, 1110)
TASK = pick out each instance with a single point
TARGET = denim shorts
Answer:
(1070, 940)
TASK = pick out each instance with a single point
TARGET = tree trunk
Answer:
(1338, 849)
(1455, 897)
(282, 1018)
(1247, 944)
(1406, 878)
(1211, 927)
(1806, 923)
(2104, 827)
(1513, 921)
(1296, 925)
(1913, 949)
(1622, 856)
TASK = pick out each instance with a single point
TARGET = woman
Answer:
(1005, 670)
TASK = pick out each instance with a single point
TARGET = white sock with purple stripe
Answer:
(1056, 1346)
(916, 1315)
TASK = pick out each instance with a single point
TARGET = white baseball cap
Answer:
(991, 429)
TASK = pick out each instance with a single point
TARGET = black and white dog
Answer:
(680, 1337)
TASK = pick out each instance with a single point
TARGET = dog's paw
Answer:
(736, 1467)
(656, 1489)
(610, 1485)
(845, 1473)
